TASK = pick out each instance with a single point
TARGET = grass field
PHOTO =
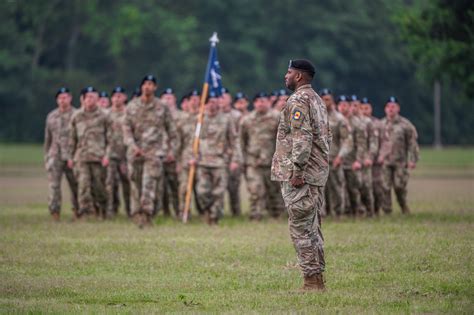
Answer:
(422, 263)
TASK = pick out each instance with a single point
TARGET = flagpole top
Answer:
(214, 39)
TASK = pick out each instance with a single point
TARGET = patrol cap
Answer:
(392, 99)
(260, 95)
(118, 89)
(88, 89)
(240, 95)
(302, 65)
(103, 94)
(137, 92)
(167, 91)
(148, 77)
(354, 98)
(282, 92)
(365, 100)
(224, 90)
(325, 91)
(342, 98)
(62, 90)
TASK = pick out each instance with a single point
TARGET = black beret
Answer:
(365, 100)
(137, 92)
(354, 98)
(240, 95)
(118, 89)
(325, 91)
(62, 90)
(88, 89)
(167, 91)
(260, 95)
(282, 92)
(224, 90)
(149, 77)
(302, 65)
(103, 94)
(194, 93)
(274, 93)
(342, 98)
(392, 99)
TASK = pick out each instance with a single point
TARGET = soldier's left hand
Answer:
(105, 161)
(297, 181)
(368, 162)
(233, 166)
(411, 165)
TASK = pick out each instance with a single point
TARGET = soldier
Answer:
(117, 154)
(257, 138)
(377, 177)
(170, 178)
(241, 103)
(218, 134)
(281, 100)
(87, 149)
(398, 153)
(352, 164)
(367, 144)
(341, 146)
(104, 101)
(148, 130)
(233, 186)
(56, 141)
(273, 97)
(301, 164)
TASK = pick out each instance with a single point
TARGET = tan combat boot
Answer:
(313, 283)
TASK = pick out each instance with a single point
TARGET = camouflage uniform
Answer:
(399, 146)
(56, 140)
(233, 182)
(149, 127)
(341, 146)
(377, 175)
(117, 168)
(302, 150)
(87, 147)
(218, 138)
(354, 177)
(257, 140)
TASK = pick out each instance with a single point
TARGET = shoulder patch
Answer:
(297, 115)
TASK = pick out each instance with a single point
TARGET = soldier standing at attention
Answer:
(233, 178)
(257, 139)
(56, 142)
(170, 178)
(399, 152)
(218, 135)
(341, 146)
(148, 129)
(88, 144)
(301, 164)
(117, 154)
(377, 177)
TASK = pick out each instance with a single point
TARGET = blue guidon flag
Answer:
(213, 71)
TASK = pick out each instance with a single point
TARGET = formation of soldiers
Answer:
(143, 146)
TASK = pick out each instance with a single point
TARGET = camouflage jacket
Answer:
(303, 139)
(89, 132)
(117, 149)
(377, 133)
(258, 138)
(56, 134)
(218, 139)
(341, 136)
(149, 127)
(399, 142)
(364, 146)
(186, 127)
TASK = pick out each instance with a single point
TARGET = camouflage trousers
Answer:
(353, 183)
(395, 176)
(170, 188)
(210, 189)
(233, 187)
(334, 192)
(304, 207)
(56, 169)
(145, 177)
(264, 193)
(92, 195)
(117, 175)
(366, 190)
(377, 180)
(183, 187)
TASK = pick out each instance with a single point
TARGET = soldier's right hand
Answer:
(192, 162)
(70, 164)
(337, 161)
(356, 166)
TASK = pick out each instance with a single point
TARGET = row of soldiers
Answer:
(146, 147)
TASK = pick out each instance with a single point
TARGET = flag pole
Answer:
(192, 170)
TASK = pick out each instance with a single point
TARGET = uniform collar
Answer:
(305, 86)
